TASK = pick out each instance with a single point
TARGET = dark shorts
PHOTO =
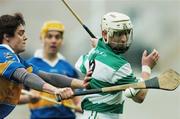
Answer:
(5, 110)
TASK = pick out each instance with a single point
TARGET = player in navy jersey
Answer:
(15, 72)
(49, 59)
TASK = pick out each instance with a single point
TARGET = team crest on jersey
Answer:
(100, 53)
(9, 56)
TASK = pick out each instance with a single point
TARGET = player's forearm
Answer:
(61, 81)
(49, 88)
(140, 96)
(29, 79)
(33, 81)
(145, 75)
(76, 83)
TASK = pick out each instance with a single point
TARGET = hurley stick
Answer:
(78, 18)
(168, 80)
(52, 100)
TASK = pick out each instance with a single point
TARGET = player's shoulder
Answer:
(33, 60)
(4, 49)
(65, 62)
(6, 54)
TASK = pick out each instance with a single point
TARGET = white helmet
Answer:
(117, 22)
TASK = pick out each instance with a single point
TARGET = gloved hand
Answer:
(130, 92)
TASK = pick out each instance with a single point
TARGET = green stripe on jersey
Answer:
(103, 107)
(80, 64)
(110, 69)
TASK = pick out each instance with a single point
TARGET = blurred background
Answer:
(156, 25)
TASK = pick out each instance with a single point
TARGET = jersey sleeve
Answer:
(69, 69)
(74, 72)
(81, 64)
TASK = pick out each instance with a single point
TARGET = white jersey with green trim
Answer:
(109, 69)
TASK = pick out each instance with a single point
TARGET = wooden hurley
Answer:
(168, 80)
(78, 18)
(52, 100)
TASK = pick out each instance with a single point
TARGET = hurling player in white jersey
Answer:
(109, 67)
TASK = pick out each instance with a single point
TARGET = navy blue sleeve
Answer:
(8, 63)
(71, 70)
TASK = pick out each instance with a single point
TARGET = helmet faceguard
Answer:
(117, 25)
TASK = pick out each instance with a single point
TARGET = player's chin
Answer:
(22, 49)
(53, 51)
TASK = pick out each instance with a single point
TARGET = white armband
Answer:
(140, 79)
(146, 68)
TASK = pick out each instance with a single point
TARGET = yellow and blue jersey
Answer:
(48, 110)
(10, 88)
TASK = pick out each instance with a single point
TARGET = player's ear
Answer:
(6, 37)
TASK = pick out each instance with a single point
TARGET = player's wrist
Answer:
(146, 68)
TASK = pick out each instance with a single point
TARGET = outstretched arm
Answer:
(59, 80)
(35, 82)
